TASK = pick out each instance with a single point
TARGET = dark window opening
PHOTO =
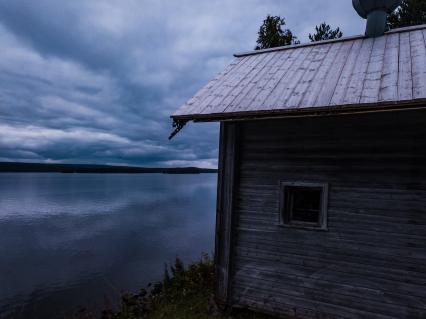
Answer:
(304, 205)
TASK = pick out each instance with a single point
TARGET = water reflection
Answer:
(72, 240)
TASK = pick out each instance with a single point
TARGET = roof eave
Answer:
(386, 106)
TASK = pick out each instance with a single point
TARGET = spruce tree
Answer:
(411, 12)
(271, 34)
(324, 32)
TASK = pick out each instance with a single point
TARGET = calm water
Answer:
(74, 240)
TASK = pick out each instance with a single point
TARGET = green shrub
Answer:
(183, 293)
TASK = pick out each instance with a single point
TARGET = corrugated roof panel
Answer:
(353, 72)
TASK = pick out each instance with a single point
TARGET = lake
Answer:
(69, 241)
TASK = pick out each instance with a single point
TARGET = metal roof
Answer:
(355, 73)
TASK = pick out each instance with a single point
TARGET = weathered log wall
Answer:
(371, 263)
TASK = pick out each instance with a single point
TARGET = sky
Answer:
(95, 81)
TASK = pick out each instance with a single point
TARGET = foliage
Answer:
(411, 12)
(271, 34)
(324, 32)
(181, 291)
(184, 293)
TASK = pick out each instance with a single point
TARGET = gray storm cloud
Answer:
(96, 81)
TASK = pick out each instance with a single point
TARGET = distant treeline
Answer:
(101, 169)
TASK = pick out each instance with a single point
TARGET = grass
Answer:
(183, 293)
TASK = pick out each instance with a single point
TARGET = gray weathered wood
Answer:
(296, 78)
(389, 81)
(370, 263)
(418, 56)
(323, 75)
(248, 88)
(335, 94)
(221, 92)
(287, 58)
(285, 82)
(195, 102)
(347, 75)
(371, 85)
(405, 80)
(224, 214)
(307, 81)
(356, 83)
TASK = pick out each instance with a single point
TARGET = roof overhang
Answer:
(307, 112)
(352, 75)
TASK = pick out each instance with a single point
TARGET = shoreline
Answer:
(17, 167)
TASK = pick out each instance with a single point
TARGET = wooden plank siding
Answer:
(228, 156)
(371, 263)
(350, 73)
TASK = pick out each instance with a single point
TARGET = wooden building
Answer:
(321, 207)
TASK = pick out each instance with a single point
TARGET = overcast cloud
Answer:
(95, 81)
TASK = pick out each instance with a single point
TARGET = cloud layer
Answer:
(95, 81)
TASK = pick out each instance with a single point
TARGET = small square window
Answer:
(304, 205)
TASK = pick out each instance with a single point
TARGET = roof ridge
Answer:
(308, 44)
